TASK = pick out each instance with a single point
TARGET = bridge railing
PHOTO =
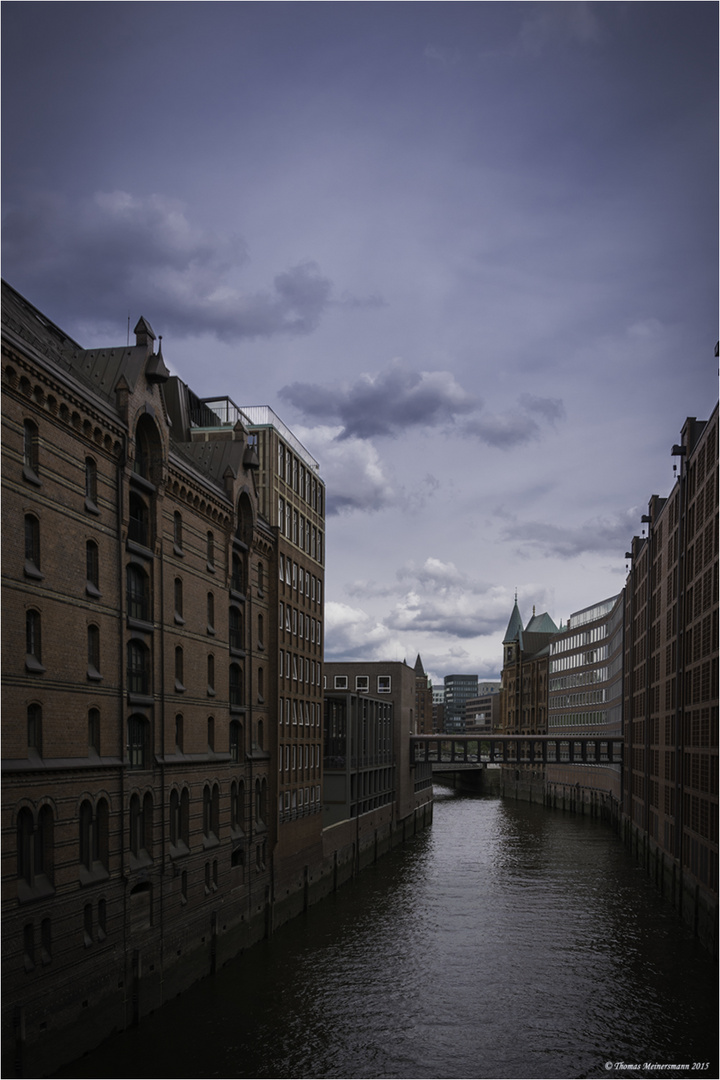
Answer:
(517, 749)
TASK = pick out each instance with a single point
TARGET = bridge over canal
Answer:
(451, 753)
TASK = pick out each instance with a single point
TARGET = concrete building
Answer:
(458, 690)
(670, 722)
(376, 682)
(359, 758)
(291, 497)
(482, 713)
(585, 698)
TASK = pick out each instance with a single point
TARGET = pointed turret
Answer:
(155, 370)
(515, 626)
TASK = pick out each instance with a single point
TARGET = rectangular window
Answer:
(340, 682)
(383, 684)
(362, 683)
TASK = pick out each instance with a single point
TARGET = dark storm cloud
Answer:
(610, 534)
(384, 404)
(551, 409)
(115, 252)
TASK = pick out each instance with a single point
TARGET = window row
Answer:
(292, 756)
(35, 832)
(362, 683)
(300, 713)
(300, 580)
(299, 669)
(292, 622)
(304, 535)
(33, 646)
(292, 803)
(300, 479)
(31, 465)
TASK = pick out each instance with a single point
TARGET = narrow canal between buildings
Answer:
(506, 941)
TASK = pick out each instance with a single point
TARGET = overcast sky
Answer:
(466, 251)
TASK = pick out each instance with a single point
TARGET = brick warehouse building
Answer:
(156, 802)
(670, 783)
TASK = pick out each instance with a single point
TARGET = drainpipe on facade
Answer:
(680, 675)
(162, 758)
(121, 680)
(648, 663)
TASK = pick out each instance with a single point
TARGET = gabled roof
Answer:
(541, 624)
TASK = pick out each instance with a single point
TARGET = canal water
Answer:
(505, 941)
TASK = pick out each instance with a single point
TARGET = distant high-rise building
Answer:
(458, 689)
(585, 698)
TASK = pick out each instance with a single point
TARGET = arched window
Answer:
(244, 529)
(136, 826)
(33, 641)
(178, 596)
(211, 674)
(94, 836)
(179, 665)
(179, 733)
(261, 685)
(210, 613)
(35, 847)
(93, 652)
(139, 521)
(180, 819)
(260, 578)
(138, 667)
(30, 450)
(138, 593)
(34, 728)
(211, 733)
(94, 730)
(211, 812)
(177, 532)
(234, 814)
(26, 846)
(92, 569)
(141, 826)
(137, 742)
(260, 801)
(185, 817)
(174, 817)
(261, 632)
(210, 551)
(237, 581)
(90, 483)
(236, 686)
(32, 546)
(236, 629)
(148, 450)
(234, 740)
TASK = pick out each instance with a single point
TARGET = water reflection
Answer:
(506, 941)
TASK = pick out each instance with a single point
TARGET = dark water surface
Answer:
(506, 941)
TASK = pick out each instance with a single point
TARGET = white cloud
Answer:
(351, 468)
